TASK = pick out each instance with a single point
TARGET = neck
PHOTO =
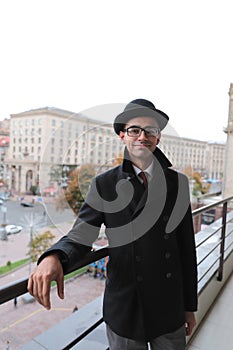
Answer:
(142, 163)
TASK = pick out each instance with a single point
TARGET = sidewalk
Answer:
(25, 321)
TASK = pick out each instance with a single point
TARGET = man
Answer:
(151, 285)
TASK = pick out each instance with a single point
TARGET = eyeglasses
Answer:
(136, 131)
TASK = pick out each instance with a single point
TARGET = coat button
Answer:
(166, 236)
(168, 275)
(165, 218)
(139, 278)
(167, 255)
(138, 258)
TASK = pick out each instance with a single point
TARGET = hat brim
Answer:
(122, 118)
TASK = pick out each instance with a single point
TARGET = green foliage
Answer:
(39, 244)
(199, 187)
(10, 266)
(33, 189)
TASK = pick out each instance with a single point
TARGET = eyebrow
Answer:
(143, 127)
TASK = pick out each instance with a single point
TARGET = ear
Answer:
(122, 136)
(158, 140)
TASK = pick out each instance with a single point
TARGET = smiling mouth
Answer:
(142, 144)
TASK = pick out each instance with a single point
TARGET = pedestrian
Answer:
(149, 228)
(75, 309)
(15, 302)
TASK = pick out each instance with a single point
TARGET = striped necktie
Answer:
(143, 177)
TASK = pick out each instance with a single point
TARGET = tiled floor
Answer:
(216, 331)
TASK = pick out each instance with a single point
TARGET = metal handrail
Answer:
(15, 289)
(204, 208)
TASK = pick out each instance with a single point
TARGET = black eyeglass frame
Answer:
(148, 131)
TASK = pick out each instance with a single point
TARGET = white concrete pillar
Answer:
(228, 171)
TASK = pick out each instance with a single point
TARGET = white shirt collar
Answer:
(148, 171)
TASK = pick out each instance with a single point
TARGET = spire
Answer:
(228, 171)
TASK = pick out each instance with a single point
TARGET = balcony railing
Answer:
(214, 246)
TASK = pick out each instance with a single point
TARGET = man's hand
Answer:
(39, 284)
(190, 321)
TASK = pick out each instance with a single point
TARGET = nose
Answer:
(143, 136)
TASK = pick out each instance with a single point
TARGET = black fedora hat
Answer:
(138, 108)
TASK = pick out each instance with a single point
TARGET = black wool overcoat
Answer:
(151, 274)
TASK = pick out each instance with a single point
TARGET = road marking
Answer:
(31, 315)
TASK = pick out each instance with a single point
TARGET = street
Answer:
(39, 218)
(41, 214)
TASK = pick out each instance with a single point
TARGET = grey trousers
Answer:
(170, 341)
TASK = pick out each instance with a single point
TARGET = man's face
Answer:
(140, 146)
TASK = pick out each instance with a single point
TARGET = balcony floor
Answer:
(216, 330)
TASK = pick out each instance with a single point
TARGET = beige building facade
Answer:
(45, 139)
(206, 158)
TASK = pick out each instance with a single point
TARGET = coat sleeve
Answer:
(72, 247)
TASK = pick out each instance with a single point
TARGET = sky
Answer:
(76, 55)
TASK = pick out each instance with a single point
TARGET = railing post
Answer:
(222, 246)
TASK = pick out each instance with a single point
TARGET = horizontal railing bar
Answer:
(207, 255)
(210, 267)
(200, 210)
(83, 335)
(229, 245)
(207, 238)
(15, 289)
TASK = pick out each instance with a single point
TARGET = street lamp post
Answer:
(30, 248)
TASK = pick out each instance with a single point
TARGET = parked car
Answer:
(26, 204)
(4, 196)
(11, 229)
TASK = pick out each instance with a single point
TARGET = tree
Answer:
(39, 244)
(34, 189)
(55, 173)
(77, 188)
(118, 159)
(199, 187)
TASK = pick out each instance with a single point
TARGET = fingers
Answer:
(60, 286)
(39, 284)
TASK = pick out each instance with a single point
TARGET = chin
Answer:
(143, 152)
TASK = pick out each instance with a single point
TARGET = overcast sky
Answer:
(74, 55)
